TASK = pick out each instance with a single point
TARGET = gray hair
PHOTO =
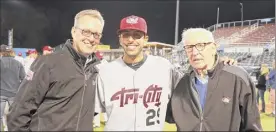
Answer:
(89, 12)
(192, 31)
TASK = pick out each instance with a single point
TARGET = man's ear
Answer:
(73, 32)
(146, 38)
(119, 40)
(120, 44)
(215, 46)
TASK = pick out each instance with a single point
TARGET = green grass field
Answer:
(268, 123)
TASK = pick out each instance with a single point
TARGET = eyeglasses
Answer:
(199, 46)
(134, 35)
(88, 33)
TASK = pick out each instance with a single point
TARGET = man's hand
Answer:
(228, 61)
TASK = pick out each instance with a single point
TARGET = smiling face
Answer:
(86, 34)
(132, 42)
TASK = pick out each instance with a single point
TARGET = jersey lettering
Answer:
(151, 95)
(129, 94)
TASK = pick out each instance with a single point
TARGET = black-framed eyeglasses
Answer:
(199, 46)
(133, 34)
(88, 33)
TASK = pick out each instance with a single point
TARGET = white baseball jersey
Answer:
(20, 59)
(27, 63)
(135, 100)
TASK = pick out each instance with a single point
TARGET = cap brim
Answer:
(48, 50)
(120, 30)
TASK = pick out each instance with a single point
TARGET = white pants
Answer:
(5, 105)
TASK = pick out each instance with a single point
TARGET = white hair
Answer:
(89, 12)
(197, 31)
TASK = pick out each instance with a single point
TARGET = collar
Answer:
(211, 72)
(137, 63)
(77, 56)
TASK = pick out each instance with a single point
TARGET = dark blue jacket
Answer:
(272, 79)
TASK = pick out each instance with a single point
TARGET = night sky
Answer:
(40, 22)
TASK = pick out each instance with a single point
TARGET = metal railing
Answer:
(242, 23)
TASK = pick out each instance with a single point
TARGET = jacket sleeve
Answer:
(250, 116)
(271, 78)
(257, 74)
(176, 76)
(22, 73)
(169, 114)
(30, 95)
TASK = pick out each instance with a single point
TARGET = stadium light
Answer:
(176, 23)
(217, 18)
(241, 4)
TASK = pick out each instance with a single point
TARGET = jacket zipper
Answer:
(201, 116)
(200, 110)
(84, 88)
(201, 122)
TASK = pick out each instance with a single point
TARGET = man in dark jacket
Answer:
(58, 93)
(261, 86)
(212, 96)
(12, 74)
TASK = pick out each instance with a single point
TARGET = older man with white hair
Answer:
(212, 96)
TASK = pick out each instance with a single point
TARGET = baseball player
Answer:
(32, 55)
(19, 57)
(134, 89)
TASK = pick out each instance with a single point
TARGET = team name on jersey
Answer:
(151, 95)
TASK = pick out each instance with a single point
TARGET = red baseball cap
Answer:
(19, 54)
(29, 51)
(33, 52)
(99, 55)
(47, 48)
(133, 22)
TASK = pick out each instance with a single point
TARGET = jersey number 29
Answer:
(151, 115)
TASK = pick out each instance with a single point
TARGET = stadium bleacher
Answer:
(226, 32)
(247, 59)
(263, 33)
